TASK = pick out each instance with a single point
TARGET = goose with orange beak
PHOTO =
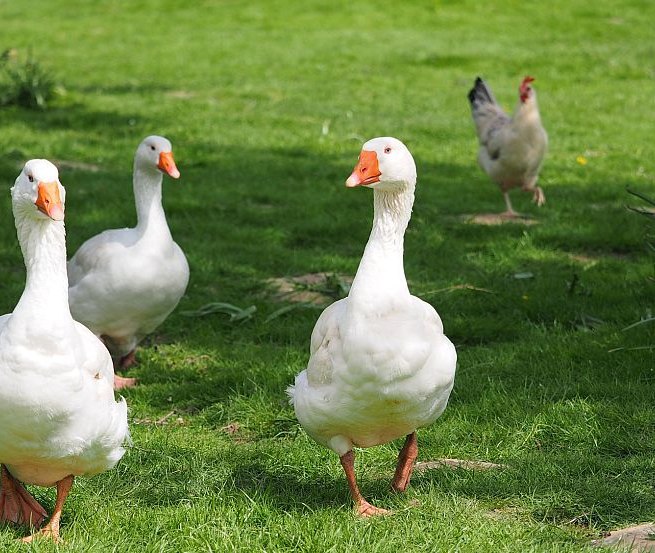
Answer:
(125, 282)
(380, 365)
(58, 415)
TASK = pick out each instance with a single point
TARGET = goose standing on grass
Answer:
(58, 415)
(380, 365)
(125, 282)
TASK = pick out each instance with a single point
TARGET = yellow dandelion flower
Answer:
(582, 160)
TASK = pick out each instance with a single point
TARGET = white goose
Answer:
(125, 282)
(380, 365)
(58, 416)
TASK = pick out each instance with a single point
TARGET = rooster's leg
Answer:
(537, 193)
(539, 197)
(510, 213)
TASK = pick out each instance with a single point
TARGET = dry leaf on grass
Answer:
(640, 539)
(457, 464)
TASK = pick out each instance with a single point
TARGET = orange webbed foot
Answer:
(17, 504)
(121, 382)
(46, 533)
(365, 510)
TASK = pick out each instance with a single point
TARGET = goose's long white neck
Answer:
(151, 219)
(43, 243)
(380, 278)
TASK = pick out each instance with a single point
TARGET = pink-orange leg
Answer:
(16, 503)
(128, 360)
(125, 362)
(363, 507)
(405, 465)
(51, 530)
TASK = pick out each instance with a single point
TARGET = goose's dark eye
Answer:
(152, 148)
(30, 178)
(387, 150)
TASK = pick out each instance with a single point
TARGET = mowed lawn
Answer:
(267, 103)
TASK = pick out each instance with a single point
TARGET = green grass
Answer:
(267, 104)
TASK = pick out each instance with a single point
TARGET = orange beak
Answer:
(167, 164)
(48, 200)
(366, 171)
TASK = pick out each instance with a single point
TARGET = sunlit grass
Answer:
(267, 104)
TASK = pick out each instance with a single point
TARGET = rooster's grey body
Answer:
(511, 148)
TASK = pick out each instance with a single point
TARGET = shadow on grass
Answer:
(91, 124)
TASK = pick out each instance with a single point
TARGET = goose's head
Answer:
(38, 192)
(155, 153)
(384, 163)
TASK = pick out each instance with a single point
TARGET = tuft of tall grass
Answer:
(25, 82)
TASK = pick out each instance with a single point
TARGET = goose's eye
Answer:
(387, 150)
(152, 148)
(30, 178)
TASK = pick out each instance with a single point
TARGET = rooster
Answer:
(511, 148)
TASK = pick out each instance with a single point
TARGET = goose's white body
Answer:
(374, 375)
(380, 365)
(125, 282)
(58, 415)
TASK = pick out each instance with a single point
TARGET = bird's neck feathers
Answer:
(381, 273)
(151, 218)
(529, 110)
(43, 243)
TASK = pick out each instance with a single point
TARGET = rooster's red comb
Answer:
(526, 81)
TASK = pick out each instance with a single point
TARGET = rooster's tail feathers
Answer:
(480, 94)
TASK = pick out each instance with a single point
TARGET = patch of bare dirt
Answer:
(457, 464)
(583, 258)
(231, 428)
(180, 94)
(503, 513)
(76, 165)
(162, 421)
(592, 259)
(314, 288)
(639, 539)
(494, 219)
